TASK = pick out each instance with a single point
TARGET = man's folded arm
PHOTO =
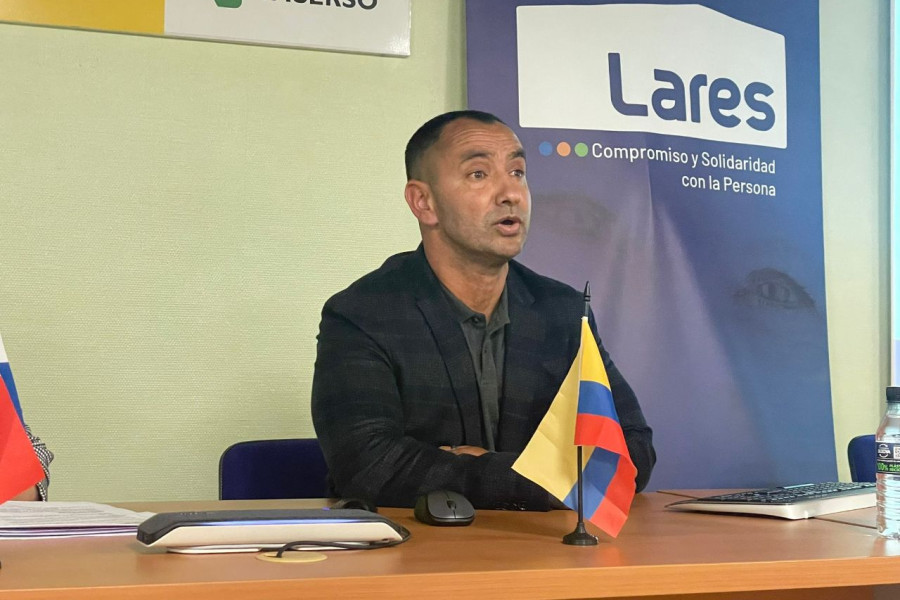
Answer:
(358, 415)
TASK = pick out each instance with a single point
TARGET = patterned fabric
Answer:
(394, 380)
(46, 457)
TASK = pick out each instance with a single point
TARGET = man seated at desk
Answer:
(434, 370)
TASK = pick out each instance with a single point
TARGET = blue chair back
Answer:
(271, 469)
(861, 454)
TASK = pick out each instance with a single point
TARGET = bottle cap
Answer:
(893, 395)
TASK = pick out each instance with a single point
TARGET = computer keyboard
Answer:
(789, 502)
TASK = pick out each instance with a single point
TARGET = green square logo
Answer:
(229, 3)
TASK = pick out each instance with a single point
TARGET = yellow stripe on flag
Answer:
(127, 16)
(550, 459)
(592, 368)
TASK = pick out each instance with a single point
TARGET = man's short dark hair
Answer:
(429, 133)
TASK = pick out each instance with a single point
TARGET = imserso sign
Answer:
(369, 26)
(682, 70)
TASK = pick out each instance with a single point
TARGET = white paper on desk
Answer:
(29, 520)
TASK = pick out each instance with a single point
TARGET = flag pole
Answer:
(580, 536)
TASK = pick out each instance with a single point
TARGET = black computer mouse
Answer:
(355, 503)
(442, 507)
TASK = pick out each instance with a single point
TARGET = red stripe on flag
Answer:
(621, 489)
(19, 464)
(609, 519)
(613, 511)
(602, 432)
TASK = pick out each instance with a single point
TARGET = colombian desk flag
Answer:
(583, 414)
(19, 465)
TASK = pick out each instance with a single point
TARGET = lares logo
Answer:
(672, 104)
(680, 70)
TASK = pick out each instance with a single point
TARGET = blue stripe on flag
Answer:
(598, 472)
(596, 399)
(6, 375)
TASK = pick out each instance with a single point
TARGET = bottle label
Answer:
(887, 457)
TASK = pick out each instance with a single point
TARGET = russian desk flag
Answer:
(583, 413)
(19, 465)
(6, 376)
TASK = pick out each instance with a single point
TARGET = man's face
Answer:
(476, 174)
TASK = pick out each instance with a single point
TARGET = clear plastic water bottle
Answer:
(887, 468)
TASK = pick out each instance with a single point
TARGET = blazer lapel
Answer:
(524, 373)
(453, 349)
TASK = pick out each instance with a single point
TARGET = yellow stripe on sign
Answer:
(127, 16)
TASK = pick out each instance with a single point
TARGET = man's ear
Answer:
(421, 202)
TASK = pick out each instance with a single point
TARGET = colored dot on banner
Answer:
(581, 149)
(563, 149)
(546, 148)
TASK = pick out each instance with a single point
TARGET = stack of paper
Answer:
(28, 520)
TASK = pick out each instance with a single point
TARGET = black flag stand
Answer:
(580, 536)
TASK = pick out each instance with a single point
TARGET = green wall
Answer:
(855, 72)
(174, 213)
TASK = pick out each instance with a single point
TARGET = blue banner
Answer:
(674, 162)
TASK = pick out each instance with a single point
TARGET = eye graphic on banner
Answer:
(770, 287)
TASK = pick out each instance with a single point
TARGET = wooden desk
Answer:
(666, 555)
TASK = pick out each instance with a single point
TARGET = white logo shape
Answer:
(682, 70)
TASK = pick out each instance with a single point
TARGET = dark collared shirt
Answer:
(487, 345)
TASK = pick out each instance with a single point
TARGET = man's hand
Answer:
(457, 450)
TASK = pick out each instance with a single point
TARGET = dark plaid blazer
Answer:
(394, 380)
